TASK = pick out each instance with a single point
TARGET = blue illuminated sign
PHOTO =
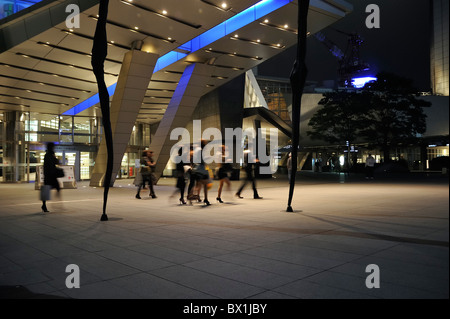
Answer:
(360, 82)
(236, 22)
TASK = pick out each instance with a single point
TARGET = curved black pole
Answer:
(298, 78)
(99, 52)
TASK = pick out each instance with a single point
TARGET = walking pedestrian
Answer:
(250, 177)
(223, 175)
(51, 174)
(289, 166)
(370, 166)
(147, 172)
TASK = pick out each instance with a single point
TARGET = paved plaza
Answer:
(242, 249)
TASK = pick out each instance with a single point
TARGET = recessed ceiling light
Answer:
(266, 21)
(164, 12)
(224, 5)
(136, 28)
(286, 26)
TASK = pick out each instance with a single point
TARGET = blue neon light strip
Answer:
(89, 102)
(233, 24)
(225, 28)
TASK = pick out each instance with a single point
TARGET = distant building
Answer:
(439, 47)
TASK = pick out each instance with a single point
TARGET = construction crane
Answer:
(350, 64)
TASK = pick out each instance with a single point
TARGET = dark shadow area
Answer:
(20, 292)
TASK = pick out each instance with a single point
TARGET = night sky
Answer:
(401, 45)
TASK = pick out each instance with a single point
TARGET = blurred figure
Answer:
(147, 169)
(223, 175)
(51, 173)
(370, 166)
(201, 176)
(250, 178)
(181, 170)
(289, 166)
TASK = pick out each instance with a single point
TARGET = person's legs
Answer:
(205, 190)
(44, 206)
(219, 191)
(152, 191)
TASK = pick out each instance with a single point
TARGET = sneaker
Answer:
(137, 196)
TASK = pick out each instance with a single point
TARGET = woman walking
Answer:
(50, 176)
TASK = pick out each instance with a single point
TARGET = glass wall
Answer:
(23, 138)
(278, 95)
(9, 7)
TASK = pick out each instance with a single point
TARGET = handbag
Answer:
(59, 172)
(45, 192)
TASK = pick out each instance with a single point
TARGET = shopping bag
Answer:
(45, 192)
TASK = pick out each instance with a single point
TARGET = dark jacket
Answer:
(50, 162)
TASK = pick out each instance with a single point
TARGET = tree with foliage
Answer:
(395, 114)
(386, 113)
(339, 120)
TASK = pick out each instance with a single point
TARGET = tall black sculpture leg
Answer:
(298, 78)
(99, 52)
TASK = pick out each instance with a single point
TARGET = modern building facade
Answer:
(439, 47)
(164, 57)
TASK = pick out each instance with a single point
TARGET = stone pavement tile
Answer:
(46, 289)
(441, 235)
(240, 273)
(165, 253)
(406, 266)
(99, 266)
(207, 283)
(22, 277)
(416, 253)
(55, 271)
(252, 236)
(194, 227)
(330, 243)
(152, 287)
(220, 244)
(55, 248)
(134, 259)
(26, 256)
(357, 285)
(348, 237)
(324, 253)
(194, 247)
(162, 233)
(286, 269)
(271, 295)
(87, 244)
(295, 258)
(310, 290)
(118, 240)
(100, 290)
(7, 265)
(416, 276)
